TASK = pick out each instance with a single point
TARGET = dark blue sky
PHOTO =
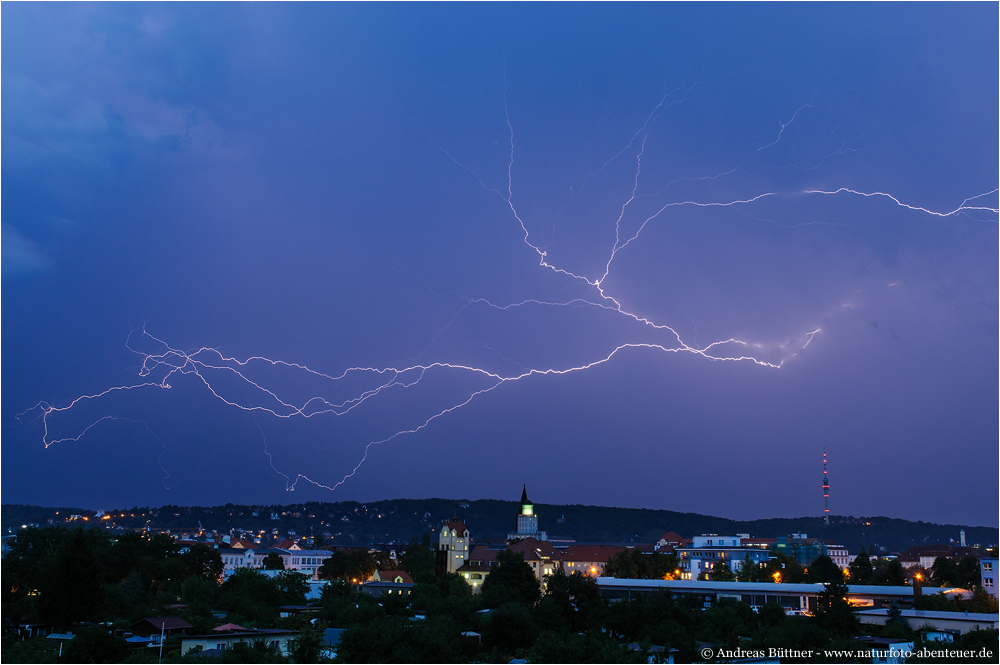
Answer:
(376, 186)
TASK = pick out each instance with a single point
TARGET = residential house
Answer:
(669, 541)
(397, 576)
(589, 560)
(156, 626)
(222, 641)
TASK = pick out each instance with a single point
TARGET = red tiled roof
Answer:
(483, 553)
(532, 548)
(456, 524)
(391, 575)
(592, 553)
(227, 627)
(675, 538)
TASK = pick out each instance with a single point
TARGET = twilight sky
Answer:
(655, 255)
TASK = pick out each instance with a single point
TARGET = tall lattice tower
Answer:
(826, 492)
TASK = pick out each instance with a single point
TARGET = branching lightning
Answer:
(244, 384)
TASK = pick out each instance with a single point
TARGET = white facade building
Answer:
(454, 542)
(988, 572)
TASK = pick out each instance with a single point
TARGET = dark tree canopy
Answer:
(823, 569)
(511, 580)
(273, 561)
(861, 568)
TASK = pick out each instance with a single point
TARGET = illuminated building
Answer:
(453, 545)
(709, 549)
(527, 521)
(589, 560)
(988, 574)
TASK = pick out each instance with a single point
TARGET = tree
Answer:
(582, 648)
(293, 587)
(510, 627)
(944, 572)
(73, 590)
(95, 645)
(981, 602)
(361, 565)
(273, 561)
(833, 613)
(511, 580)
(383, 561)
(306, 648)
(394, 641)
(570, 602)
(204, 562)
(258, 651)
(622, 565)
(782, 567)
(334, 568)
(129, 599)
(722, 573)
(750, 571)
(357, 566)
(860, 569)
(251, 594)
(896, 624)
(34, 650)
(889, 572)
(728, 619)
(823, 569)
(969, 575)
(419, 562)
(635, 564)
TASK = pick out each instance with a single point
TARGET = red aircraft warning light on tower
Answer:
(826, 492)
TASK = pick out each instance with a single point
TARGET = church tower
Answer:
(527, 520)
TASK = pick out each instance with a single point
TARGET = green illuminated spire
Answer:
(526, 507)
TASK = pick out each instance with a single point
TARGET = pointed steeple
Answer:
(526, 507)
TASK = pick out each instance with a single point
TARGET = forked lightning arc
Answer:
(219, 373)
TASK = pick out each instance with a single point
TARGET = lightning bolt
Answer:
(243, 385)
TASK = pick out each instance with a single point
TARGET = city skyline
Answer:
(646, 255)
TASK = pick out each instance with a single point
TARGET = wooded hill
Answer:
(400, 520)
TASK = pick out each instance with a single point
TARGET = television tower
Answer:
(826, 492)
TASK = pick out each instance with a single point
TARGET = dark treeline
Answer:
(400, 520)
